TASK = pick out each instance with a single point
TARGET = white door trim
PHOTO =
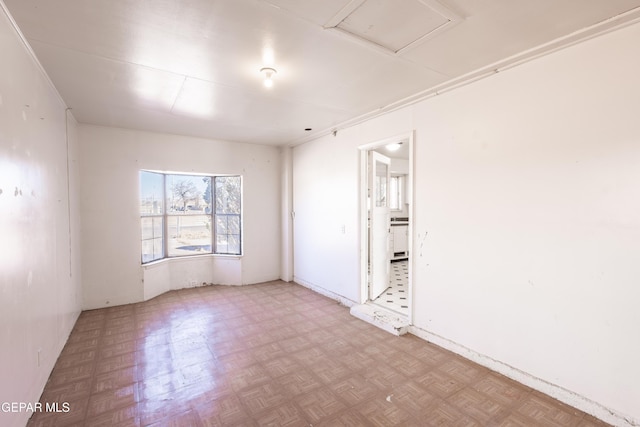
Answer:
(408, 138)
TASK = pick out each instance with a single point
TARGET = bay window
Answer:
(182, 215)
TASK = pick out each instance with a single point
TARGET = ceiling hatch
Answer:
(394, 25)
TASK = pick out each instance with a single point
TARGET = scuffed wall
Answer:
(526, 220)
(40, 292)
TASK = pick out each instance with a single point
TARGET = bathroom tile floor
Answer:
(396, 296)
(273, 354)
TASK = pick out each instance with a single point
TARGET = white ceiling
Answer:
(191, 67)
(400, 153)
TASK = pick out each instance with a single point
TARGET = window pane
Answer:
(233, 224)
(221, 244)
(158, 229)
(221, 224)
(147, 251)
(151, 227)
(158, 248)
(151, 193)
(233, 244)
(394, 192)
(147, 228)
(228, 197)
(188, 194)
(152, 250)
(152, 243)
(189, 235)
(228, 194)
(228, 244)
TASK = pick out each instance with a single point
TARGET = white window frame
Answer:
(397, 195)
(212, 214)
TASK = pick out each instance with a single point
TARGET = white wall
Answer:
(110, 162)
(326, 197)
(39, 225)
(526, 221)
(286, 226)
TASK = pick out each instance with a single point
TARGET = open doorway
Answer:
(386, 188)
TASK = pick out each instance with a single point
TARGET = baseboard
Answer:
(566, 396)
(381, 318)
(322, 291)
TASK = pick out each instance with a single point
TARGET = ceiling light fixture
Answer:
(268, 75)
(393, 147)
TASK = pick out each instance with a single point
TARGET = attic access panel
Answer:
(394, 25)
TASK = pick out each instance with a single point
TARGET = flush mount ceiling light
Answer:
(393, 147)
(268, 73)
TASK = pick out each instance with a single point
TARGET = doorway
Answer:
(386, 213)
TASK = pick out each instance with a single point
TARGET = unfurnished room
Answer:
(306, 213)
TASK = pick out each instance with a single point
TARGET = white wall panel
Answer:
(40, 291)
(111, 159)
(528, 204)
(526, 221)
(326, 198)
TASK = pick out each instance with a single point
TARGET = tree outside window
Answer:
(193, 204)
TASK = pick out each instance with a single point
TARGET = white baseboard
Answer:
(342, 300)
(381, 318)
(566, 396)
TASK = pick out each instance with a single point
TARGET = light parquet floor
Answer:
(273, 354)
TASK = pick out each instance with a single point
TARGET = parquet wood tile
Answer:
(67, 392)
(354, 390)
(440, 383)
(109, 364)
(286, 415)
(299, 382)
(115, 379)
(110, 400)
(262, 398)
(282, 366)
(273, 354)
(380, 412)
(320, 404)
(501, 389)
(329, 370)
(383, 376)
(225, 410)
(479, 406)
(545, 411)
(70, 360)
(248, 377)
(413, 398)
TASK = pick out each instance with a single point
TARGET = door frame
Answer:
(379, 277)
(405, 138)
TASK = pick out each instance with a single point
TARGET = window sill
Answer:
(187, 258)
